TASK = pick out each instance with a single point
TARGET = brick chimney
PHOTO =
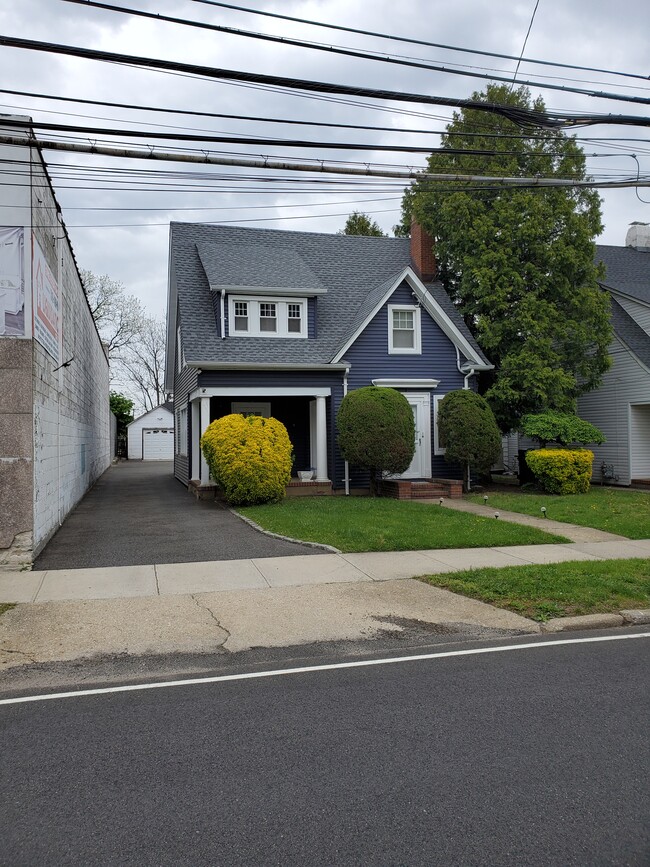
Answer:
(422, 256)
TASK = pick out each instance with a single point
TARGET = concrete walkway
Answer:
(273, 572)
(570, 531)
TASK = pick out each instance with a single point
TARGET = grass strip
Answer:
(556, 589)
(360, 524)
(614, 510)
(6, 606)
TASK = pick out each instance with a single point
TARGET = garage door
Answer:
(158, 444)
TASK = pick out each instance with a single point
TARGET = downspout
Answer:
(222, 312)
(346, 475)
(472, 372)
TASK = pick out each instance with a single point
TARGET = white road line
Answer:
(366, 663)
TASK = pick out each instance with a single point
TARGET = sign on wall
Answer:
(46, 304)
(12, 281)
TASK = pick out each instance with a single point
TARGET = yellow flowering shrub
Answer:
(249, 458)
(562, 471)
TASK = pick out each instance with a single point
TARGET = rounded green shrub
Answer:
(562, 471)
(468, 430)
(376, 431)
(249, 458)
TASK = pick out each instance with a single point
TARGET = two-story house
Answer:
(283, 324)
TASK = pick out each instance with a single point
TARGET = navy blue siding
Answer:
(184, 384)
(370, 360)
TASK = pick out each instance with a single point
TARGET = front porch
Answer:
(303, 411)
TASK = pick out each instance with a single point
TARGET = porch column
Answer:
(321, 440)
(195, 472)
(205, 421)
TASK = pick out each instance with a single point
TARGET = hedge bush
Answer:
(249, 458)
(376, 431)
(560, 427)
(469, 432)
(562, 471)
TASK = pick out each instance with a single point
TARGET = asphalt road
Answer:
(524, 757)
(138, 514)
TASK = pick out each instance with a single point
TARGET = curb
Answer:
(628, 617)
(329, 548)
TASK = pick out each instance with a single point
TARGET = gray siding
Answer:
(638, 311)
(626, 382)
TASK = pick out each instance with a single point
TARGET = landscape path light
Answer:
(543, 510)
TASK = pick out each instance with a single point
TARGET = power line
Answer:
(276, 120)
(363, 55)
(411, 41)
(316, 166)
(523, 47)
(516, 114)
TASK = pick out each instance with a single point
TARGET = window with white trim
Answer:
(404, 329)
(438, 449)
(267, 317)
(181, 428)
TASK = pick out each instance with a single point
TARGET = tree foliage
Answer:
(519, 261)
(141, 364)
(468, 430)
(361, 224)
(376, 431)
(549, 427)
(122, 409)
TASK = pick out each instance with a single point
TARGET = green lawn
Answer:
(377, 524)
(557, 589)
(6, 606)
(613, 509)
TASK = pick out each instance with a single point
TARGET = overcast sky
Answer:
(124, 233)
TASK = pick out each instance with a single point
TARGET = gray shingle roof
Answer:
(627, 270)
(631, 333)
(355, 271)
(261, 265)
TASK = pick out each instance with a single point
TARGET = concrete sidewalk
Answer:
(119, 582)
(130, 613)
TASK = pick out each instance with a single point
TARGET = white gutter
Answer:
(346, 476)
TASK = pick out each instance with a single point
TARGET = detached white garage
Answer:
(151, 436)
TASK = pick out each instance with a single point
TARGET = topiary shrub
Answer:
(249, 458)
(560, 427)
(468, 430)
(562, 471)
(376, 431)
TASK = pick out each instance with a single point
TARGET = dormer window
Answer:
(267, 317)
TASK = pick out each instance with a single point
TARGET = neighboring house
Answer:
(151, 435)
(54, 404)
(621, 405)
(285, 323)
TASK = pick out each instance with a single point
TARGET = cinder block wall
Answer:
(54, 424)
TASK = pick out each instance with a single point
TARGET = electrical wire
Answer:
(349, 52)
(516, 114)
(393, 37)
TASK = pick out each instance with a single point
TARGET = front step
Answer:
(427, 489)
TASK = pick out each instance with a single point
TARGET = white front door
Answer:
(420, 467)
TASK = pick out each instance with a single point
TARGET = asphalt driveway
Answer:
(139, 514)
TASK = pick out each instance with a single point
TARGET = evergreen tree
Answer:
(519, 262)
(361, 224)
